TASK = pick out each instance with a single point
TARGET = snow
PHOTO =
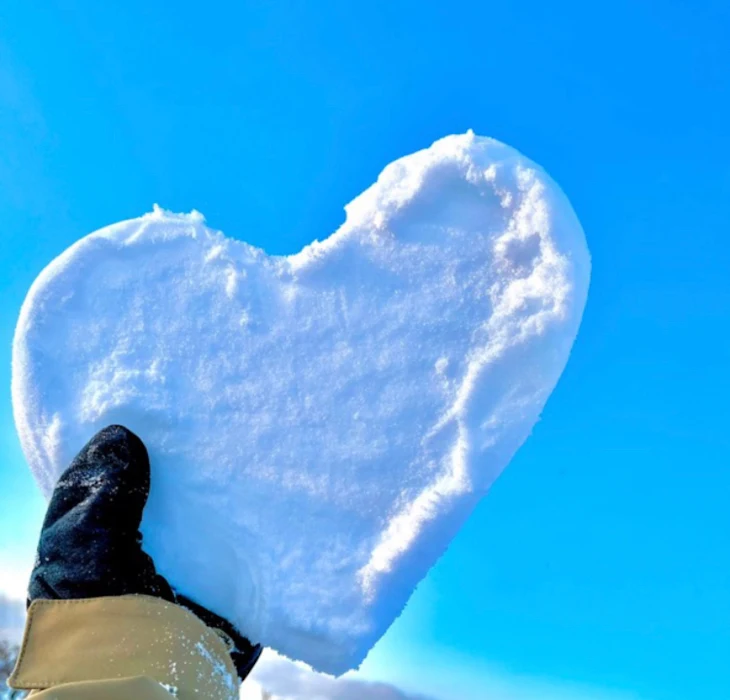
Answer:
(319, 425)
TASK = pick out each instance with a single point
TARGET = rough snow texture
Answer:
(319, 425)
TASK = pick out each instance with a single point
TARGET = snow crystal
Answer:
(319, 425)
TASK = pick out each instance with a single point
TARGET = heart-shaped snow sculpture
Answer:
(319, 425)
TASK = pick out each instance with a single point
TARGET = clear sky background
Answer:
(602, 556)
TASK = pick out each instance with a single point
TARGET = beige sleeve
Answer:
(125, 647)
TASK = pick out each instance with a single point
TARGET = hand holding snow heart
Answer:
(319, 425)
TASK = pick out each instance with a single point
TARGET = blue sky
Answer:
(601, 557)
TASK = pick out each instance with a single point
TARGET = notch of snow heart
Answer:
(321, 424)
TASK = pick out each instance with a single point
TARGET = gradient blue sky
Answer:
(602, 555)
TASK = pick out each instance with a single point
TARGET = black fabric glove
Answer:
(90, 545)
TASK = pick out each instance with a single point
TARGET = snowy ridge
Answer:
(319, 425)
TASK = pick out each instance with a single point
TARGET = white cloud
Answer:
(294, 681)
(12, 618)
(14, 576)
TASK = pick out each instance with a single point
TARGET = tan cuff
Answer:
(95, 639)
